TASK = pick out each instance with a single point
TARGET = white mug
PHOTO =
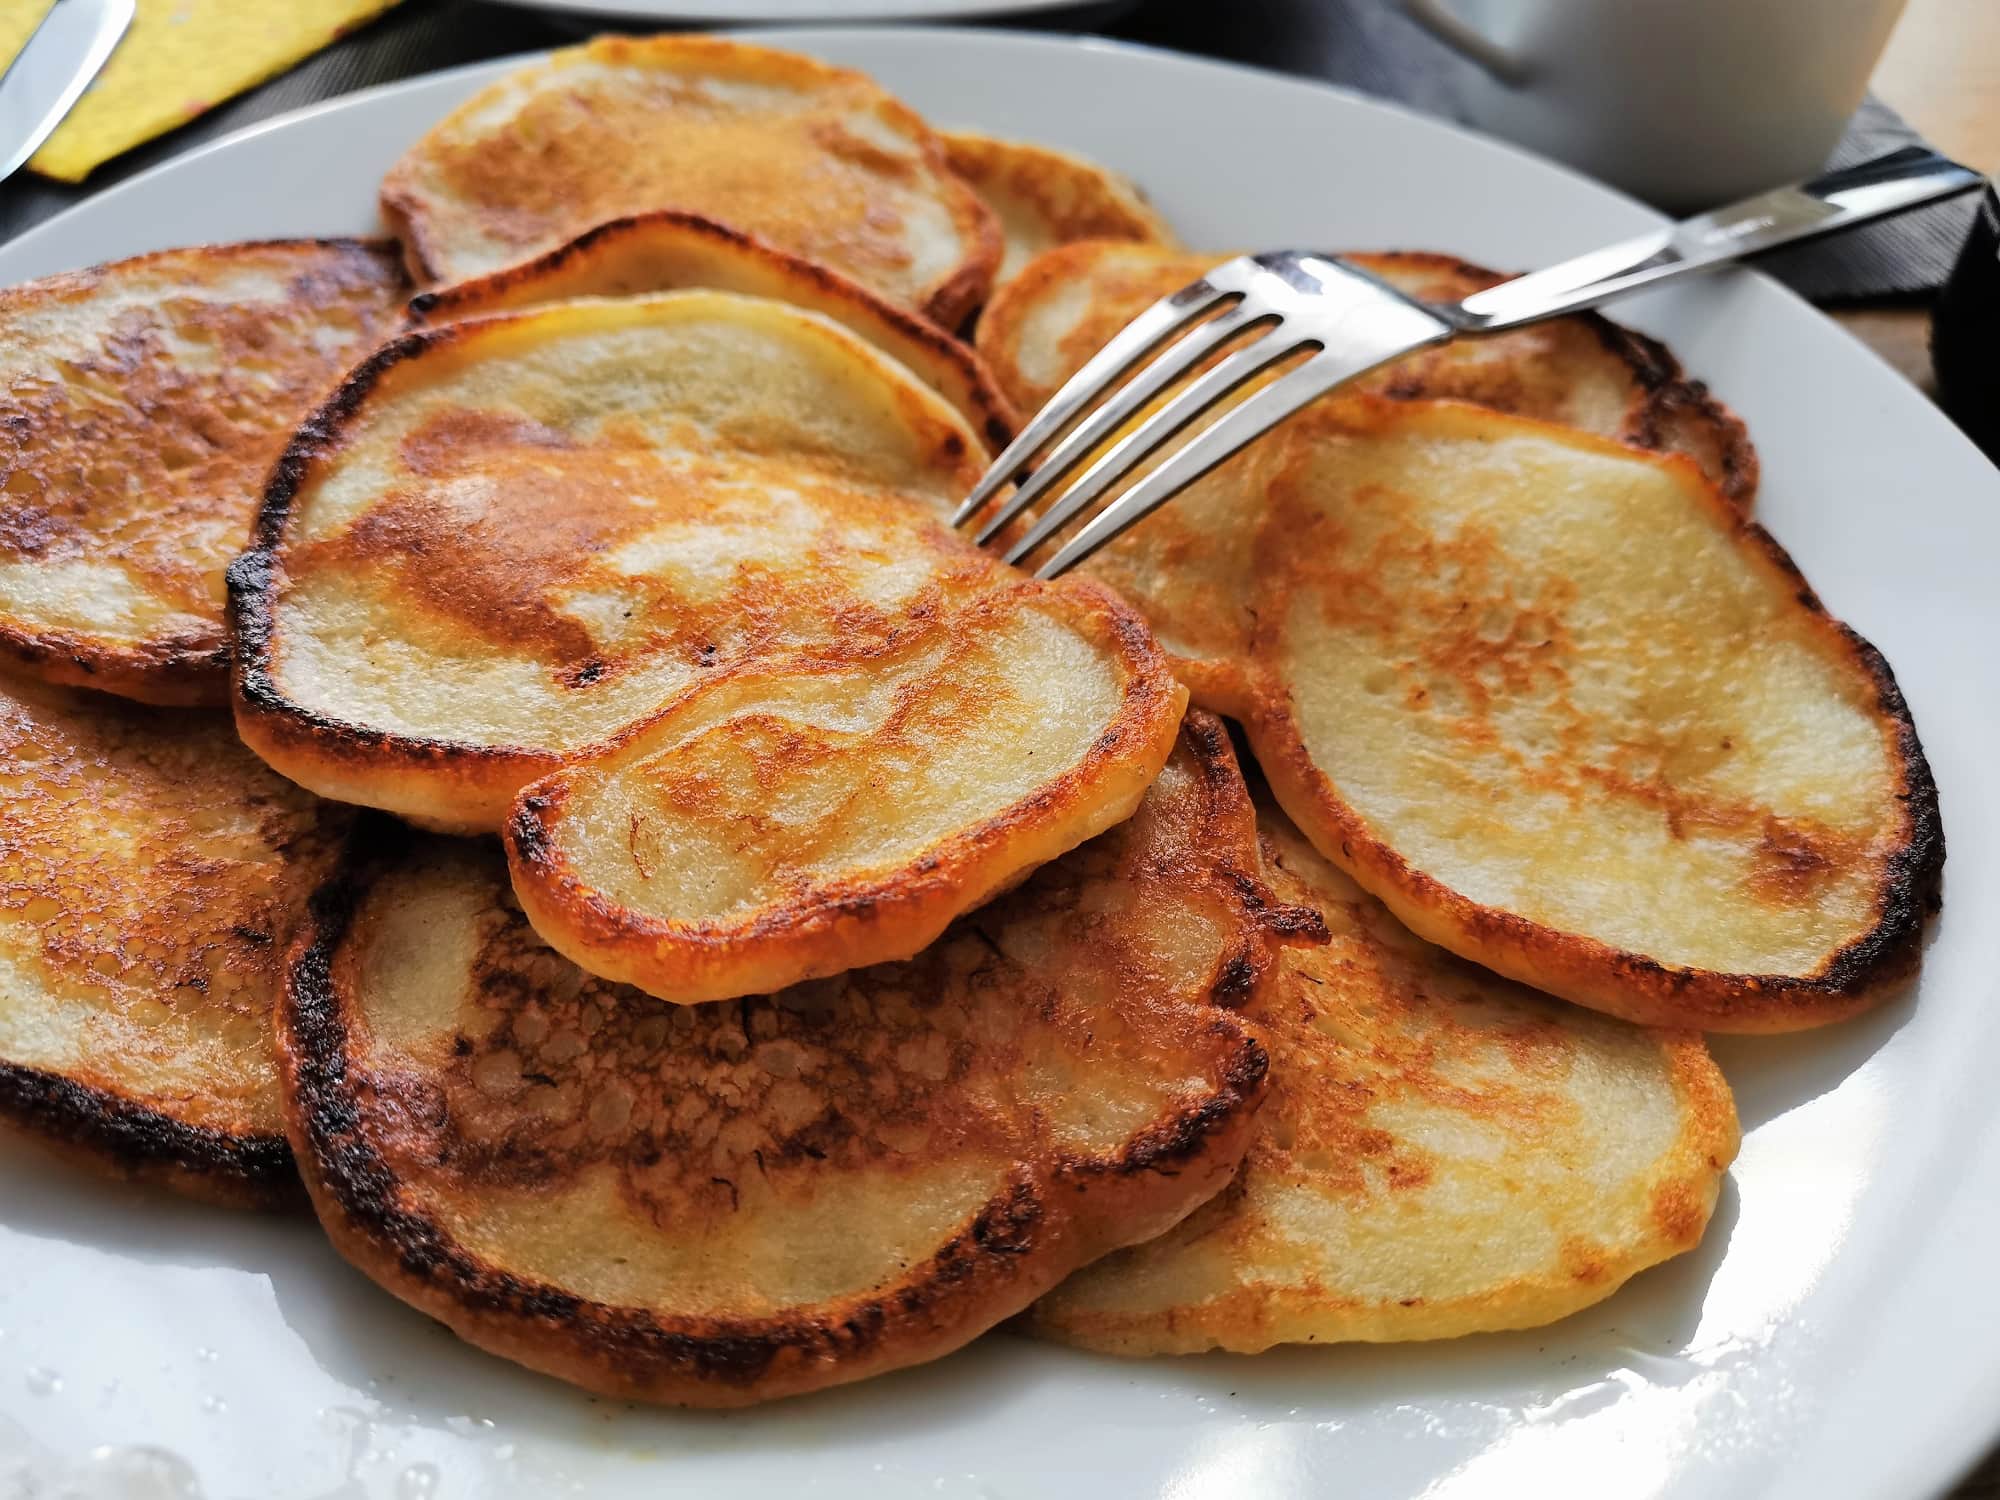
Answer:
(1686, 103)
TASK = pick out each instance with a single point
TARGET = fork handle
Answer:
(1825, 205)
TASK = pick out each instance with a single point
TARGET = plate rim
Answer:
(1952, 1444)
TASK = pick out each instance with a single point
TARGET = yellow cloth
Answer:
(179, 58)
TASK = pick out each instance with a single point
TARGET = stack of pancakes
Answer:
(699, 928)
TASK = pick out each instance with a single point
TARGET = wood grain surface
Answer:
(1942, 74)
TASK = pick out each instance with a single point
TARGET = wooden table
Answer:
(1942, 74)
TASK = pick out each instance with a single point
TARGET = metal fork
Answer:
(1265, 309)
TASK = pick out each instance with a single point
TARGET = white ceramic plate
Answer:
(1838, 1334)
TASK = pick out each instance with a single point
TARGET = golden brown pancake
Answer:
(141, 404)
(672, 251)
(1044, 198)
(153, 870)
(504, 541)
(1584, 371)
(1442, 1153)
(815, 159)
(509, 541)
(715, 1205)
(1567, 713)
(792, 822)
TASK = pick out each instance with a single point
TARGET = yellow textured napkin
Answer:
(179, 58)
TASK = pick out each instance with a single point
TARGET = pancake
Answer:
(1044, 198)
(815, 159)
(714, 1205)
(1568, 714)
(152, 873)
(504, 541)
(672, 251)
(1584, 371)
(509, 541)
(1442, 1153)
(787, 824)
(141, 404)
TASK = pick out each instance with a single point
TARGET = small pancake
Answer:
(815, 159)
(1584, 371)
(673, 251)
(153, 872)
(783, 825)
(720, 1204)
(1044, 198)
(1442, 1153)
(1568, 714)
(141, 404)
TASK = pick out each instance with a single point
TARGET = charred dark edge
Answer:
(1911, 886)
(169, 673)
(375, 246)
(139, 1142)
(156, 672)
(633, 1343)
(1668, 389)
(1169, 1147)
(526, 834)
(1214, 752)
(1909, 891)
(1278, 925)
(1226, 795)
(252, 579)
(953, 301)
(397, 204)
(449, 300)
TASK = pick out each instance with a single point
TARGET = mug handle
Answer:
(1456, 34)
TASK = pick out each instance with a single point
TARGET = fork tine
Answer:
(1138, 339)
(1235, 429)
(1173, 362)
(1188, 404)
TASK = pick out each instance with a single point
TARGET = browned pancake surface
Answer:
(1569, 714)
(719, 1204)
(672, 250)
(141, 405)
(1443, 1153)
(1585, 371)
(813, 158)
(1044, 198)
(151, 870)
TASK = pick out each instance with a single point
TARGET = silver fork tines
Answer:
(1289, 301)
(1131, 344)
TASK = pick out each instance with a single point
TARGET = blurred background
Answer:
(192, 70)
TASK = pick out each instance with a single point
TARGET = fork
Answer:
(1266, 309)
